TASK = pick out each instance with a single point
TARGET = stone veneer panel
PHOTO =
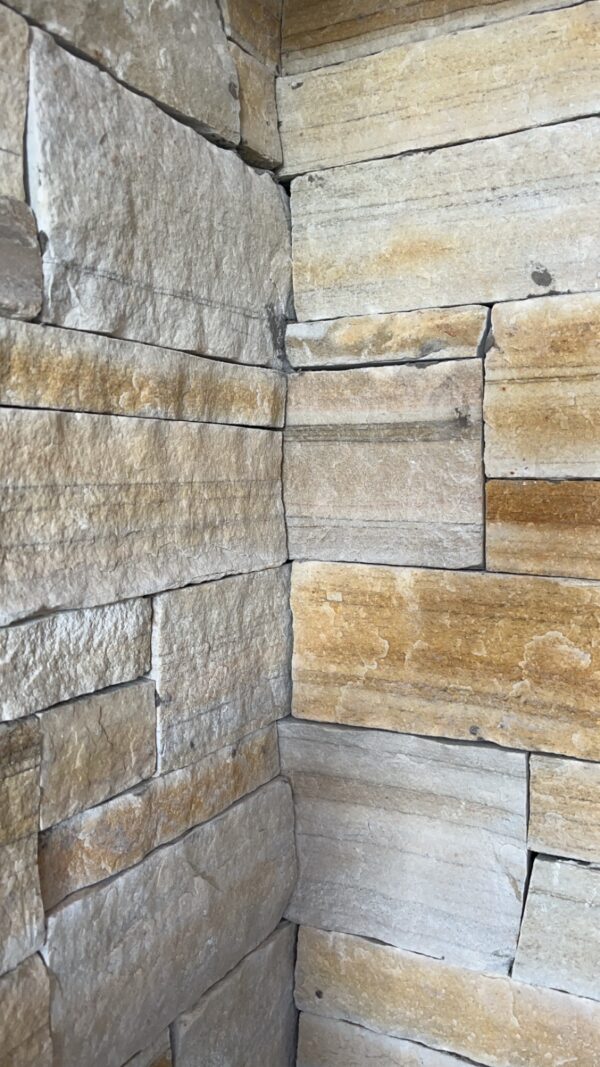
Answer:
(564, 817)
(24, 1016)
(14, 41)
(261, 143)
(256, 25)
(20, 261)
(20, 757)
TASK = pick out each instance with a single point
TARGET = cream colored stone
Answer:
(163, 933)
(24, 1008)
(260, 140)
(102, 841)
(542, 389)
(96, 747)
(398, 234)
(509, 659)
(14, 41)
(488, 1019)
(20, 261)
(559, 945)
(383, 465)
(564, 808)
(413, 336)
(21, 910)
(20, 756)
(221, 659)
(97, 507)
(256, 25)
(61, 656)
(50, 368)
(333, 1043)
(159, 1055)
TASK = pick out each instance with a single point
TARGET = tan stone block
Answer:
(159, 1055)
(509, 659)
(404, 233)
(24, 1016)
(256, 25)
(486, 1018)
(260, 140)
(20, 755)
(564, 808)
(354, 437)
(14, 42)
(21, 909)
(334, 1043)
(20, 261)
(542, 389)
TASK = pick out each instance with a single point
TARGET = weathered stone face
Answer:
(51, 659)
(404, 233)
(334, 1043)
(260, 143)
(250, 1013)
(564, 816)
(20, 261)
(159, 1055)
(513, 660)
(14, 38)
(387, 826)
(20, 755)
(161, 934)
(256, 25)
(24, 1010)
(383, 465)
(149, 268)
(21, 911)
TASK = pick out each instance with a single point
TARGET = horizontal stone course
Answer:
(20, 261)
(24, 1016)
(334, 1043)
(14, 41)
(564, 816)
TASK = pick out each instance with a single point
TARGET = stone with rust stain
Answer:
(20, 757)
(256, 26)
(158, 1055)
(14, 42)
(260, 141)
(20, 261)
(509, 659)
(564, 808)
(334, 1043)
(24, 1016)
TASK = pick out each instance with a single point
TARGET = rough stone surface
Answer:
(175, 53)
(158, 1055)
(260, 143)
(414, 336)
(249, 1017)
(21, 910)
(24, 1009)
(544, 69)
(96, 747)
(107, 839)
(20, 261)
(221, 657)
(98, 507)
(20, 755)
(150, 268)
(542, 389)
(354, 437)
(514, 660)
(334, 1043)
(559, 944)
(14, 39)
(51, 659)
(487, 1018)
(256, 25)
(388, 826)
(161, 934)
(564, 812)
(398, 234)
(51, 368)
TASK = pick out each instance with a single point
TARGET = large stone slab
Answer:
(14, 41)
(412, 336)
(542, 389)
(256, 25)
(65, 369)
(161, 934)
(97, 507)
(559, 944)
(441, 91)
(334, 1043)
(24, 1012)
(389, 826)
(158, 1055)
(151, 268)
(564, 808)
(260, 141)
(502, 658)
(175, 53)
(383, 465)
(20, 261)
(102, 841)
(249, 1013)
(398, 234)
(20, 757)
(221, 659)
(95, 747)
(61, 656)
(487, 1018)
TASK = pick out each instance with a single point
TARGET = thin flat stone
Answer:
(260, 141)
(20, 261)
(334, 1043)
(564, 815)
(14, 42)
(24, 1016)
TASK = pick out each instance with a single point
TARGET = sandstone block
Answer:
(564, 814)
(249, 1013)
(14, 42)
(256, 25)
(354, 437)
(542, 389)
(128, 484)
(21, 910)
(61, 656)
(20, 261)
(502, 658)
(24, 1009)
(149, 268)
(334, 1043)
(20, 756)
(260, 140)
(486, 1018)
(221, 655)
(159, 1055)
(98, 746)
(405, 233)
(162, 933)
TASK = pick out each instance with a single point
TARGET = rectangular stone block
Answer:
(20, 756)
(440, 91)
(383, 465)
(20, 261)
(509, 659)
(334, 1043)
(24, 1016)
(102, 841)
(98, 746)
(487, 1018)
(47, 367)
(389, 826)
(221, 659)
(97, 507)
(21, 909)
(260, 141)
(215, 280)
(162, 933)
(159, 1055)
(542, 389)
(409, 337)
(249, 1016)
(256, 25)
(564, 808)
(404, 233)
(61, 656)
(14, 43)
